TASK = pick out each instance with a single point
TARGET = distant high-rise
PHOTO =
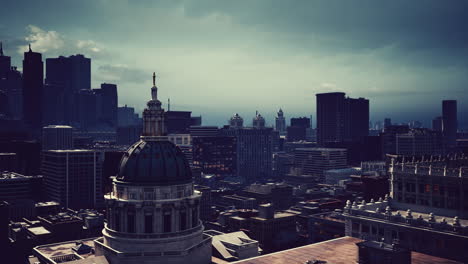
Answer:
(11, 87)
(178, 122)
(298, 129)
(341, 119)
(387, 122)
(73, 74)
(33, 90)
(108, 99)
(254, 151)
(437, 124)
(449, 123)
(5, 63)
(280, 124)
(258, 121)
(357, 118)
(314, 161)
(57, 137)
(236, 121)
(73, 177)
(215, 155)
(330, 117)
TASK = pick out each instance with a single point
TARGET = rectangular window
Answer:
(167, 223)
(427, 188)
(436, 188)
(183, 220)
(148, 223)
(117, 222)
(131, 223)
(194, 217)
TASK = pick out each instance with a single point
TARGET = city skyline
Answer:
(269, 57)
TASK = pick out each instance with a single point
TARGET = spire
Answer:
(154, 89)
(153, 115)
(1, 48)
(30, 47)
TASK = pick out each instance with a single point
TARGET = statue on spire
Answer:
(154, 89)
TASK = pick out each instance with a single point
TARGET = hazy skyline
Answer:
(220, 57)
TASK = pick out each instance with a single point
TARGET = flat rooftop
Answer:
(64, 248)
(336, 251)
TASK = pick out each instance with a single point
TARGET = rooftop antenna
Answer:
(30, 47)
(1, 48)
(168, 104)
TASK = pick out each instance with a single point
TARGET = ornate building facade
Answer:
(153, 210)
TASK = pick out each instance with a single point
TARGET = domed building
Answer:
(153, 210)
(236, 121)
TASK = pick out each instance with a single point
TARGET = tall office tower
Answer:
(33, 88)
(449, 123)
(203, 131)
(280, 122)
(14, 84)
(437, 124)
(86, 108)
(73, 177)
(126, 116)
(107, 104)
(254, 152)
(298, 129)
(387, 122)
(357, 118)
(341, 119)
(57, 137)
(178, 122)
(300, 122)
(153, 213)
(5, 63)
(54, 104)
(330, 117)
(215, 155)
(258, 121)
(236, 121)
(73, 74)
(314, 161)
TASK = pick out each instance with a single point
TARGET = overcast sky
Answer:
(220, 57)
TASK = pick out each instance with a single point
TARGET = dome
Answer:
(154, 163)
(236, 116)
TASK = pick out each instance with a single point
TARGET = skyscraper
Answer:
(258, 121)
(330, 117)
(73, 177)
(437, 123)
(107, 104)
(341, 119)
(5, 63)
(236, 121)
(57, 137)
(280, 122)
(73, 74)
(254, 151)
(33, 90)
(449, 123)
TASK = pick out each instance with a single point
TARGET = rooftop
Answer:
(321, 149)
(336, 251)
(56, 250)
